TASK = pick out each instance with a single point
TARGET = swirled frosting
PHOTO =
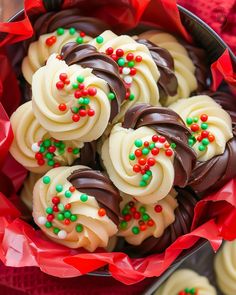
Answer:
(69, 101)
(61, 27)
(26, 193)
(68, 215)
(211, 126)
(103, 67)
(137, 68)
(213, 174)
(186, 281)
(142, 221)
(190, 69)
(225, 268)
(36, 149)
(186, 200)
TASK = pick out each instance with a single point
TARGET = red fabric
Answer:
(21, 245)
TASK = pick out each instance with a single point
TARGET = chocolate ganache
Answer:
(103, 67)
(94, 183)
(167, 83)
(181, 226)
(213, 174)
(167, 123)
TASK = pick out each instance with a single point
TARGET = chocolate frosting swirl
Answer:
(211, 175)
(103, 67)
(181, 226)
(96, 184)
(169, 124)
(88, 155)
(167, 83)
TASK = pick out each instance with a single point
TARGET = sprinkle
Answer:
(51, 40)
(204, 117)
(127, 217)
(62, 234)
(46, 179)
(76, 151)
(61, 207)
(55, 200)
(60, 31)
(67, 206)
(150, 222)
(73, 218)
(72, 31)
(138, 58)
(133, 71)
(59, 188)
(48, 224)
(67, 214)
(142, 209)
(68, 194)
(205, 141)
(145, 217)
(50, 217)
(132, 157)
(138, 143)
(101, 212)
(131, 97)
(194, 127)
(63, 77)
(125, 71)
(49, 210)
(128, 79)
(135, 230)
(83, 198)
(169, 152)
(189, 121)
(60, 85)
(75, 118)
(119, 52)
(79, 40)
(109, 50)
(56, 230)
(121, 62)
(136, 168)
(145, 151)
(201, 148)
(79, 228)
(211, 137)
(42, 220)
(204, 126)
(99, 39)
(131, 64)
(123, 224)
(60, 216)
(91, 112)
(158, 208)
(130, 56)
(155, 138)
(82, 34)
(142, 183)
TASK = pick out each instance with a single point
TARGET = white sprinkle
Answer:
(128, 79)
(62, 234)
(159, 145)
(126, 71)
(42, 220)
(35, 147)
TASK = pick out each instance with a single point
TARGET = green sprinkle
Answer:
(62, 145)
(151, 145)
(138, 143)
(187, 290)
(60, 216)
(61, 207)
(142, 209)
(189, 121)
(145, 177)
(47, 142)
(79, 228)
(80, 79)
(60, 31)
(201, 148)
(56, 230)
(195, 119)
(131, 97)
(86, 100)
(192, 291)
(121, 62)
(132, 157)
(49, 156)
(149, 172)
(68, 194)
(75, 85)
(204, 126)
(48, 224)
(57, 143)
(73, 217)
(173, 145)
(205, 141)
(67, 214)
(142, 183)
(135, 230)
(80, 100)
(145, 217)
(59, 188)
(131, 64)
(49, 210)
(42, 149)
(123, 224)
(79, 40)
(50, 163)
(99, 39)
(46, 179)
(75, 110)
(84, 198)
(61, 151)
(72, 31)
(82, 107)
(76, 151)
(145, 151)
(111, 96)
(190, 142)
(125, 211)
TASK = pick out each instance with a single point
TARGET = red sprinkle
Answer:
(72, 188)
(127, 217)
(69, 150)
(101, 212)
(60, 85)
(92, 91)
(204, 134)
(155, 151)
(138, 58)
(136, 215)
(77, 94)
(199, 138)
(63, 77)
(138, 153)
(68, 206)
(91, 112)
(41, 162)
(155, 138)
(150, 222)
(56, 165)
(82, 34)
(38, 156)
(67, 82)
(81, 86)
(52, 149)
(146, 167)
(136, 168)
(75, 118)
(67, 221)
(142, 161)
(114, 57)
(158, 208)
(133, 72)
(119, 52)
(109, 50)
(130, 56)
(162, 139)
(133, 209)
(84, 92)
(194, 127)
(55, 200)
(55, 208)
(50, 217)
(169, 152)
(59, 56)
(62, 107)
(143, 227)
(204, 117)
(82, 113)
(51, 40)
(211, 137)
(143, 171)
(146, 143)
(151, 161)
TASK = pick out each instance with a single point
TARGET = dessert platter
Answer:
(120, 135)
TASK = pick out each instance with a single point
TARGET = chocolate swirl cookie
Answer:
(103, 67)
(95, 183)
(213, 174)
(167, 83)
(183, 220)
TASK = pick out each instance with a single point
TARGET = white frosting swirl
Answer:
(26, 193)
(115, 156)
(96, 230)
(144, 83)
(186, 279)
(184, 67)
(28, 133)
(225, 268)
(219, 123)
(47, 98)
(161, 219)
(39, 51)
